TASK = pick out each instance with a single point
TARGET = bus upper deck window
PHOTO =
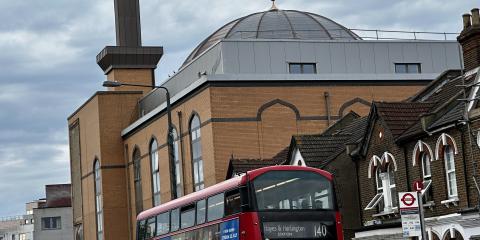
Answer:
(187, 216)
(201, 211)
(232, 202)
(151, 228)
(215, 207)
(163, 223)
(141, 230)
(175, 220)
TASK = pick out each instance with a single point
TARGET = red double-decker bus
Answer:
(278, 202)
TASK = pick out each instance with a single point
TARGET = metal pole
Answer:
(171, 154)
(422, 215)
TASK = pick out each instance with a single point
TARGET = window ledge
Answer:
(429, 205)
(452, 201)
(387, 214)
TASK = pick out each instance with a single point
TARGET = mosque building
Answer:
(242, 92)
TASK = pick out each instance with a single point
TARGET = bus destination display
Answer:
(289, 230)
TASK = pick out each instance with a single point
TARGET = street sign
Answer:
(410, 212)
(408, 200)
(418, 185)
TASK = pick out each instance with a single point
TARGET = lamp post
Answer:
(171, 156)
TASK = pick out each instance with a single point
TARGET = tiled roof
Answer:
(317, 150)
(445, 93)
(245, 165)
(455, 114)
(427, 92)
(399, 116)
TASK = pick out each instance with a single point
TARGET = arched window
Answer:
(448, 154)
(386, 188)
(137, 179)
(178, 166)
(155, 172)
(98, 200)
(196, 149)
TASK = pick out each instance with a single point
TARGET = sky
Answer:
(48, 68)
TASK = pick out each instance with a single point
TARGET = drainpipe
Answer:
(465, 161)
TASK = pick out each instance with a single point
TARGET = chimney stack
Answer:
(467, 22)
(475, 17)
(129, 61)
(470, 40)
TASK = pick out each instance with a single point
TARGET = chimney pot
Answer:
(467, 22)
(475, 17)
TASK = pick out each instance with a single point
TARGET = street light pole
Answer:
(171, 156)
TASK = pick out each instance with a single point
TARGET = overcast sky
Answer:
(48, 69)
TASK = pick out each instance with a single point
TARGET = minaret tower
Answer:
(129, 61)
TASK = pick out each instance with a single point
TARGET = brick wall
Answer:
(407, 173)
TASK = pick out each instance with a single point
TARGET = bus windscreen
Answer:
(292, 190)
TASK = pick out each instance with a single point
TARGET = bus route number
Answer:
(321, 231)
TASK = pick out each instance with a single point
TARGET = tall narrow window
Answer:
(98, 200)
(196, 148)
(386, 191)
(178, 167)
(427, 178)
(137, 175)
(450, 170)
(155, 172)
(392, 187)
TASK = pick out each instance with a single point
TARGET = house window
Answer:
(178, 169)
(51, 223)
(302, 68)
(155, 172)
(427, 177)
(196, 148)
(137, 172)
(386, 198)
(98, 200)
(450, 171)
(408, 68)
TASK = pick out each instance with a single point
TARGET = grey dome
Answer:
(277, 24)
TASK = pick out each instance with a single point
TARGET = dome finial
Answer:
(274, 7)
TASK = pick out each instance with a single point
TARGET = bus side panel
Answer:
(250, 226)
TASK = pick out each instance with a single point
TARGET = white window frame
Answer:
(98, 200)
(450, 155)
(427, 178)
(197, 161)
(384, 191)
(155, 174)
(178, 165)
